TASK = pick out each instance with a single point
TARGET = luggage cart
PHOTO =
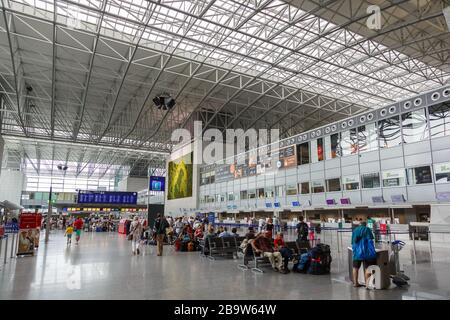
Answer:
(399, 278)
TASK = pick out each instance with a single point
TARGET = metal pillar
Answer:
(6, 250)
(49, 214)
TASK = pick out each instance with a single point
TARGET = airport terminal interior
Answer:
(225, 149)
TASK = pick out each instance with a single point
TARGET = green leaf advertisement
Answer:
(180, 178)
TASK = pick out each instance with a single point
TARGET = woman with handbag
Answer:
(364, 252)
(135, 235)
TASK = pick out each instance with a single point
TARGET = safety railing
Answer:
(8, 241)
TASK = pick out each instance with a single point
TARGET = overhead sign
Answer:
(106, 197)
(157, 183)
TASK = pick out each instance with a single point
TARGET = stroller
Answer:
(398, 277)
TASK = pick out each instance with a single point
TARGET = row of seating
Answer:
(231, 247)
(258, 260)
(220, 247)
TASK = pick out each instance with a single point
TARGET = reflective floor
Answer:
(102, 267)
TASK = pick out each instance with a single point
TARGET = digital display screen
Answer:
(296, 204)
(330, 202)
(107, 197)
(345, 201)
(157, 183)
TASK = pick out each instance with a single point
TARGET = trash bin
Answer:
(382, 263)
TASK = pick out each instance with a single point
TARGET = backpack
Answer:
(303, 231)
(320, 259)
(303, 264)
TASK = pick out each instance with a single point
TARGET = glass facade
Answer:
(389, 134)
(317, 186)
(419, 175)
(370, 180)
(408, 128)
(439, 116)
(414, 126)
(333, 185)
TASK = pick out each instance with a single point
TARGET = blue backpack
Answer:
(303, 264)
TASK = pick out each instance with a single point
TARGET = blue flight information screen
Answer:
(106, 197)
(157, 183)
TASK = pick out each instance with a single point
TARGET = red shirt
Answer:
(78, 224)
(278, 242)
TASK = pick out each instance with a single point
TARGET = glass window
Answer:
(370, 180)
(439, 119)
(367, 138)
(442, 172)
(244, 195)
(351, 182)
(389, 132)
(333, 184)
(393, 178)
(268, 192)
(260, 192)
(230, 196)
(304, 188)
(335, 150)
(252, 194)
(317, 186)
(419, 175)
(349, 142)
(414, 126)
(303, 153)
(291, 190)
(279, 191)
(320, 151)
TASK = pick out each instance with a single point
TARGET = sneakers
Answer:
(138, 252)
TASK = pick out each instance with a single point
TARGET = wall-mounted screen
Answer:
(157, 183)
(180, 177)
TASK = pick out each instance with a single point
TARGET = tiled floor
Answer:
(102, 267)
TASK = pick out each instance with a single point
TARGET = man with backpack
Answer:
(161, 225)
(302, 234)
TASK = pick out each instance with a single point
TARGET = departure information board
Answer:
(106, 197)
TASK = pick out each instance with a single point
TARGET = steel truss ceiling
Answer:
(38, 157)
(86, 71)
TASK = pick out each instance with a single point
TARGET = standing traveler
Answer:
(261, 224)
(270, 228)
(178, 226)
(363, 251)
(135, 235)
(78, 226)
(161, 225)
(68, 234)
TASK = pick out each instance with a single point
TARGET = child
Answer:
(69, 232)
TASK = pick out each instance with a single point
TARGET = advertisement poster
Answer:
(180, 177)
(28, 233)
(26, 241)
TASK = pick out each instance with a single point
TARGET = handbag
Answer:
(364, 250)
(130, 236)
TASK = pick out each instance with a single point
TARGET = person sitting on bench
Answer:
(263, 244)
(286, 253)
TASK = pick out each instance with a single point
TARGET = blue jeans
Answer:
(287, 255)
